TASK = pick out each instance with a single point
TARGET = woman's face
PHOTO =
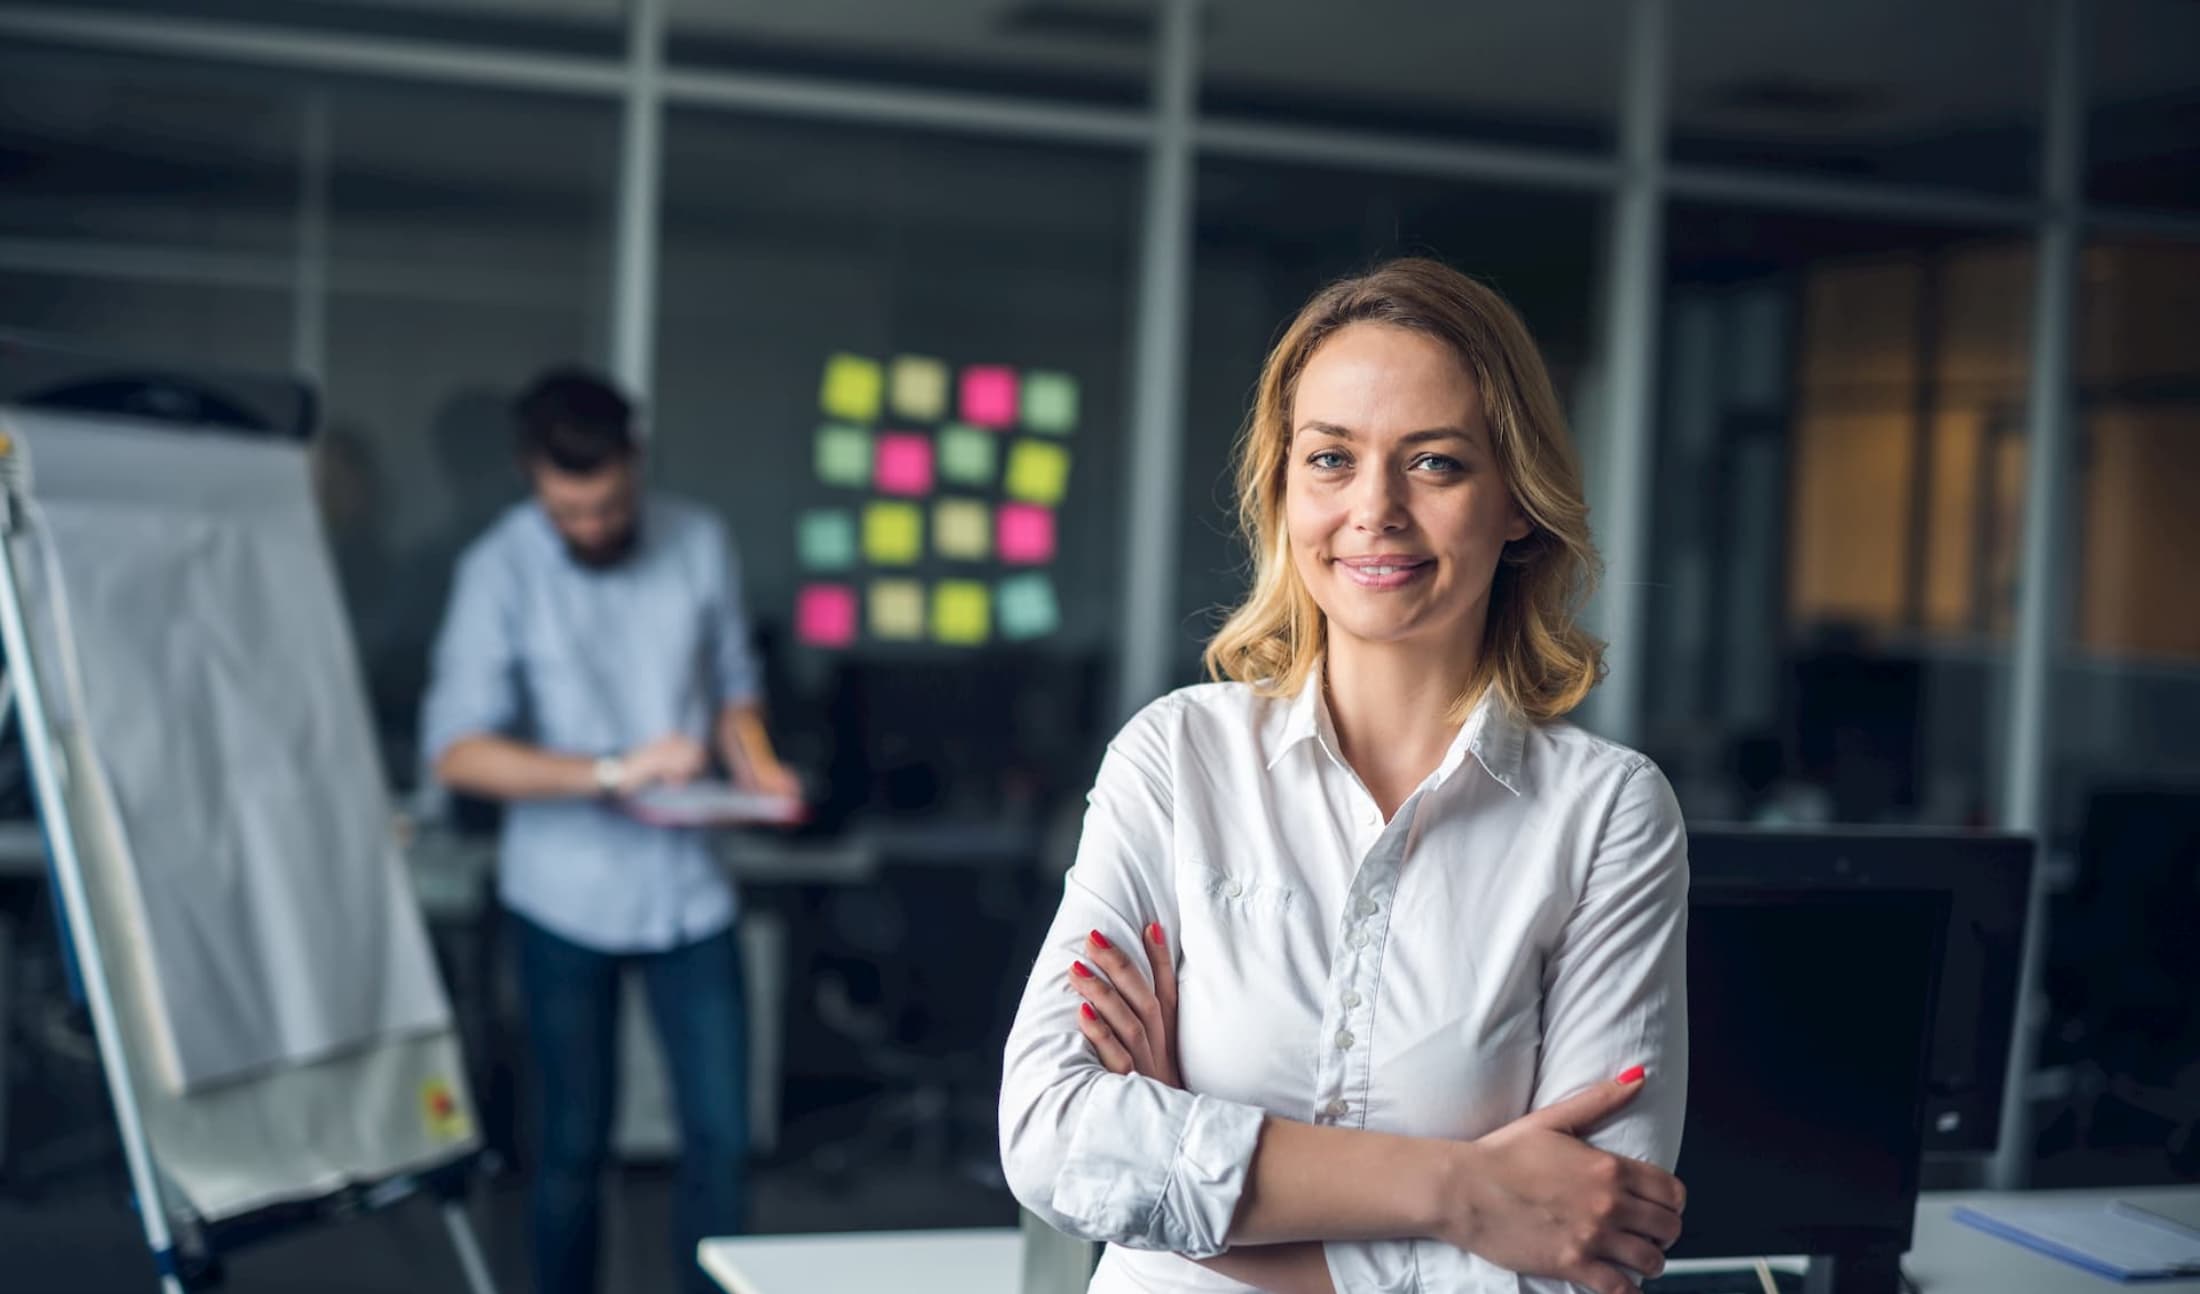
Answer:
(1395, 506)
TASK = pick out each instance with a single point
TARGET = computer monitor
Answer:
(1987, 877)
(1809, 1011)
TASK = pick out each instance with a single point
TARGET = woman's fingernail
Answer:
(1633, 1075)
(1086, 1007)
(1080, 970)
(1100, 940)
(1153, 932)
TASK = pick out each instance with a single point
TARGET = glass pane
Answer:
(2124, 806)
(1840, 475)
(147, 153)
(1268, 237)
(469, 247)
(1545, 74)
(2143, 104)
(1862, 89)
(895, 362)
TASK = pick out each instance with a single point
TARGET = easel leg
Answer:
(463, 1240)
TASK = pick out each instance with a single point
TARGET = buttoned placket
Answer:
(1344, 1059)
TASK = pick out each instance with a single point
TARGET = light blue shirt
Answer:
(589, 662)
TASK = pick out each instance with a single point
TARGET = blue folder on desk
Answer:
(2116, 1240)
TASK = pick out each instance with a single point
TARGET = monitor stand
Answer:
(1855, 1271)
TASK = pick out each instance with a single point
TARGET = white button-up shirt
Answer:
(1514, 933)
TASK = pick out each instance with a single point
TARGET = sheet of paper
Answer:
(1025, 534)
(962, 529)
(851, 388)
(917, 388)
(989, 395)
(1038, 472)
(1050, 403)
(825, 615)
(2114, 1239)
(893, 534)
(961, 612)
(905, 464)
(1027, 607)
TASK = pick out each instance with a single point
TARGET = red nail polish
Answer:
(1086, 1007)
(1080, 970)
(1100, 940)
(1153, 932)
(1633, 1075)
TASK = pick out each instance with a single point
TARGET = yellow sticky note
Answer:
(962, 528)
(917, 388)
(893, 534)
(851, 388)
(446, 1118)
(1038, 472)
(897, 609)
(961, 612)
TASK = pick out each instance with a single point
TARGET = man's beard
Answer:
(610, 553)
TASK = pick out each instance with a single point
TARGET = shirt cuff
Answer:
(1182, 1204)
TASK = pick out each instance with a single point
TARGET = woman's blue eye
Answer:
(1327, 459)
(1439, 463)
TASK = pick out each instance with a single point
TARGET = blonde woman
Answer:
(1369, 974)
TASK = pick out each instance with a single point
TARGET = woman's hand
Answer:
(1130, 1022)
(1539, 1200)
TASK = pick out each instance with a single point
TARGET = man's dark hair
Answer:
(574, 421)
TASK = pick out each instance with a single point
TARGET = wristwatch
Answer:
(610, 774)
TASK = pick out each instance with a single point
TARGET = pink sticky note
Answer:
(1024, 534)
(825, 615)
(904, 464)
(989, 395)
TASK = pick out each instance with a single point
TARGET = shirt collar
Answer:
(1493, 733)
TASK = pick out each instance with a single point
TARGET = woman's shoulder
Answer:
(1563, 754)
(1213, 717)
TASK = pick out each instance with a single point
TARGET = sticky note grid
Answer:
(935, 514)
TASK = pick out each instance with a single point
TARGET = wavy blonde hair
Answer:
(1533, 651)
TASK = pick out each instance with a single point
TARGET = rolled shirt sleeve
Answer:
(473, 688)
(1117, 1158)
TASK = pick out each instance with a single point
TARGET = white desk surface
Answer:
(1947, 1257)
(988, 1261)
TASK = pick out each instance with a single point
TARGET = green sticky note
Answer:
(1027, 607)
(844, 456)
(961, 612)
(851, 388)
(962, 528)
(893, 534)
(966, 454)
(897, 609)
(1038, 472)
(917, 388)
(825, 539)
(1050, 402)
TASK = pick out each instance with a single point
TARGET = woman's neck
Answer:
(1391, 706)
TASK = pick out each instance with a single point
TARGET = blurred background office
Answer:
(1878, 322)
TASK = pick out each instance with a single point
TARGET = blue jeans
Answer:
(572, 994)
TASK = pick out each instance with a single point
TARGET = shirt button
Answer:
(1351, 999)
(1358, 939)
(1367, 907)
(1374, 817)
(1336, 1109)
(1236, 890)
(1344, 1040)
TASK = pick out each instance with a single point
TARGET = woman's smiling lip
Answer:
(1384, 570)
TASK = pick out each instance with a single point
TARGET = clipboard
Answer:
(2120, 1241)
(712, 804)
